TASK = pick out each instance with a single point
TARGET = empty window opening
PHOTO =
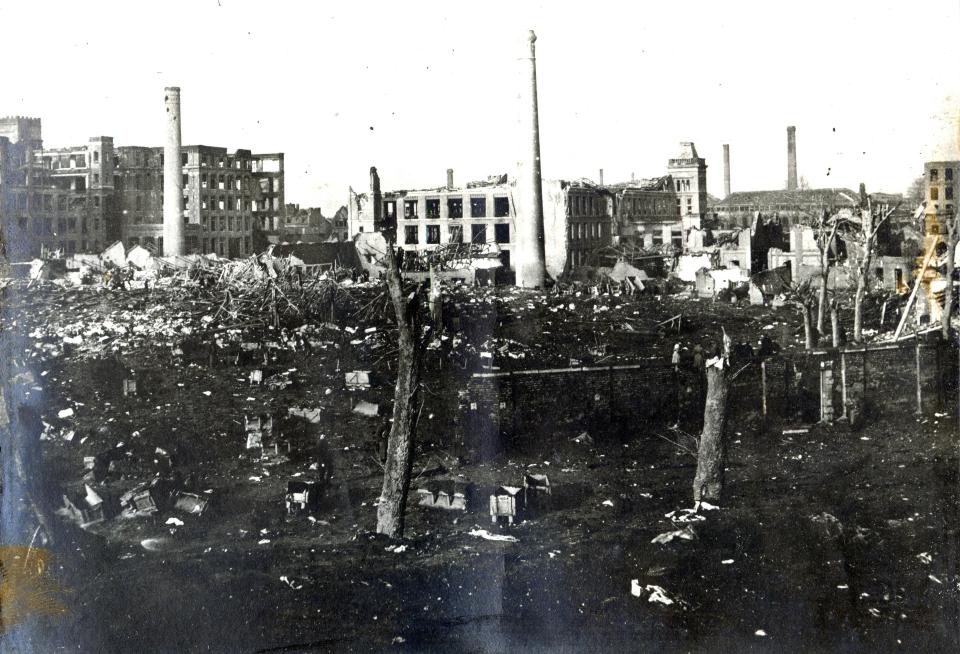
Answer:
(455, 207)
(478, 207)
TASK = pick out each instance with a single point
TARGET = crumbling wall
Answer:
(555, 232)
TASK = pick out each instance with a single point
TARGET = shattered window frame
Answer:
(478, 207)
(501, 233)
(411, 235)
(433, 234)
(410, 209)
(432, 208)
(455, 207)
(478, 233)
(501, 207)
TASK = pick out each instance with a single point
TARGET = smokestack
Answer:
(791, 158)
(376, 200)
(530, 254)
(173, 242)
(601, 177)
(449, 179)
(632, 177)
(726, 169)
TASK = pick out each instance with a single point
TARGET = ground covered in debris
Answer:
(827, 539)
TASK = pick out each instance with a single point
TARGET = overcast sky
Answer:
(415, 88)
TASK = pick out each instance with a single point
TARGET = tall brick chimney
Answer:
(601, 177)
(529, 253)
(173, 239)
(726, 169)
(791, 158)
(449, 179)
(376, 200)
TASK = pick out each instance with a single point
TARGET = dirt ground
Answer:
(829, 540)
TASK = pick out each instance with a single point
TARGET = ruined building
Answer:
(60, 198)
(232, 202)
(689, 173)
(580, 218)
(941, 179)
(82, 198)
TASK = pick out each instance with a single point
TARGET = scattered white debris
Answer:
(176, 522)
(263, 541)
(760, 632)
(296, 585)
(486, 535)
(65, 413)
(925, 557)
(658, 594)
(727, 562)
(686, 533)
(607, 503)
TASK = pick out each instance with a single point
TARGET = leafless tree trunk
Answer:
(822, 295)
(835, 324)
(712, 453)
(869, 226)
(400, 445)
(826, 235)
(952, 237)
(866, 218)
(809, 331)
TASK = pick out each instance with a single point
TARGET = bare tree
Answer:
(953, 235)
(826, 226)
(835, 321)
(803, 298)
(865, 237)
(712, 451)
(917, 193)
(400, 445)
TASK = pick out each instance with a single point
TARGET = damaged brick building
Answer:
(581, 218)
(82, 198)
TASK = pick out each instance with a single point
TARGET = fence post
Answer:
(763, 385)
(863, 399)
(938, 380)
(919, 396)
(786, 386)
(843, 381)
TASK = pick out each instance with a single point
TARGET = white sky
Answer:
(871, 86)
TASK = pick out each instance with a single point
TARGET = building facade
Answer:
(232, 202)
(58, 199)
(689, 173)
(941, 180)
(480, 213)
(647, 213)
(580, 218)
(82, 198)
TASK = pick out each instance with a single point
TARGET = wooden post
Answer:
(938, 380)
(863, 371)
(763, 385)
(786, 385)
(919, 396)
(843, 381)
